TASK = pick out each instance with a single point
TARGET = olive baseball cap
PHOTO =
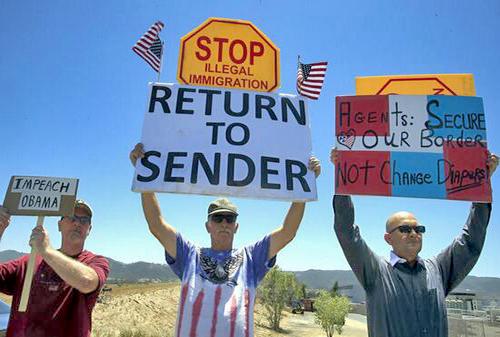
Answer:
(79, 203)
(222, 205)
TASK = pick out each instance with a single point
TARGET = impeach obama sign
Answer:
(42, 196)
(412, 146)
(225, 142)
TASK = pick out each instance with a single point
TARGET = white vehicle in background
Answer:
(4, 317)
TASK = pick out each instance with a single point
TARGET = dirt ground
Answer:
(152, 309)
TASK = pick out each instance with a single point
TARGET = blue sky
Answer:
(72, 98)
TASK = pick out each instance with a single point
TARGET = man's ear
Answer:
(59, 225)
(207, 226)
(388, 238)
(236, 226)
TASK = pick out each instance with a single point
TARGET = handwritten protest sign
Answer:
(39, 196)
(225, 142)
(229, 53)
(47, 196)
(412, 146)
(430, 84)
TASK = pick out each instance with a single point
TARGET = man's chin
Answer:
(415, 249)
(76, 237)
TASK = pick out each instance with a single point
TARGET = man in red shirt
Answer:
(66, 281)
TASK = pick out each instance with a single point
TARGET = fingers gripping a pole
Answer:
(28, 278)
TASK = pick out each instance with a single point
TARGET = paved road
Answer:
(358, 318)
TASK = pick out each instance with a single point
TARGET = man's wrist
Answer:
(46, 252)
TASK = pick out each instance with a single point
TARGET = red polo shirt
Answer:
(55, 309)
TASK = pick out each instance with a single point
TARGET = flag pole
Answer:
(297, 81)
(161, 62)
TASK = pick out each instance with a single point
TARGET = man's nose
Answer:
(225, 224)
(413, 231)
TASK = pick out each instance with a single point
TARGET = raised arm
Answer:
(364, 263)
(162, 230)
(458, 259)
(283, 235)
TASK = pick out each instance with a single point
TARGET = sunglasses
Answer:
(406, 229)
(83, 220)
(218, 218)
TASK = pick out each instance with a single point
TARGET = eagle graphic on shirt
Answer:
(220, 272)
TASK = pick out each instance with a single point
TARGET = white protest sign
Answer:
(225, 142)
(27, 195)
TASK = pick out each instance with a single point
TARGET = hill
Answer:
(484, 287)
(120, 272)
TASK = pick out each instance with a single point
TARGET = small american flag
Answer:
(310, 79)
(149, 46)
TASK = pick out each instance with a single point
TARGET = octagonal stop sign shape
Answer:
(229, 53)
(404, 86)
(423, 84)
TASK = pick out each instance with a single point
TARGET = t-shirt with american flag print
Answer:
(218, 288)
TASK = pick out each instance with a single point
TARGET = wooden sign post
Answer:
(39, 196)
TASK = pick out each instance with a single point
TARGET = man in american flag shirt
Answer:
(218, 284)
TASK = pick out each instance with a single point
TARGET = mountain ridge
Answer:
(483, 287)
